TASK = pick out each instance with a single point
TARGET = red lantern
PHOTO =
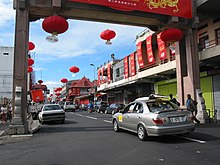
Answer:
(31, 46)
(108, 35)
(59, 89)
(74, 69)
(30, 69)
(64, 80)
(57, 94)
(40, 81)
(30, 61)
(55, 25)
(171, 35)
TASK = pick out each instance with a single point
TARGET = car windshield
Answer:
(161, 105)
(51, 107)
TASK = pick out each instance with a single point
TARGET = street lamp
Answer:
(94, 81)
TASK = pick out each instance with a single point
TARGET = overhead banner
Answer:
(140, 55)
(180, 8)
(150, 55)
(132, 64)
(126, 67)
(99, 80)
(161, 47)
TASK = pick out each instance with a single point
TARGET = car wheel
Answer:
(115, 126)
(142, 134)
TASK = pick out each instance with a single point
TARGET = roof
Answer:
(84, 82)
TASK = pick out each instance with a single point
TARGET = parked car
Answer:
(101, 106)
(69, 106)
(114, 108)
(51, 112)
(153, 116)
(83, 107)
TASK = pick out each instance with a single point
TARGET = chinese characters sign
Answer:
(161, 47)
(180, 8)
(150, 55)
(126, 68)
(132, 64)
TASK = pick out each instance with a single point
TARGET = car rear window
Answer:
(161, 105)
(52, 107)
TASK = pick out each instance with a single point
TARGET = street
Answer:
(89, 139)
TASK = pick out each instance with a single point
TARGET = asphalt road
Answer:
(89, 139)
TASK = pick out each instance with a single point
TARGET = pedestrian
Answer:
(90, 107)
(4, 114)
(173, 100)
(191, 105)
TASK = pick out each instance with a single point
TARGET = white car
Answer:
(69, 106)
(51, 112)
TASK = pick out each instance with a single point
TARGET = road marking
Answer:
(91, 117)
(77, 114)
(191, 139)
(107, 121)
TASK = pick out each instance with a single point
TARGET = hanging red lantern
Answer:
(57, 94)
(30, 69)
(54, 25)
(64, 80)
(40, 81)
(108, 35)
(171, 35)
(31, 46)
(74, 69)
(59, 89)
(30, 62)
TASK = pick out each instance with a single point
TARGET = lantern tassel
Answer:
(108, 42)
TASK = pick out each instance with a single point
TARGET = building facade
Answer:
(6, 71)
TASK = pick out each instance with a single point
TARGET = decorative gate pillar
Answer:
(19, 122)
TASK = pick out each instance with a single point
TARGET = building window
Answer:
(117, 72)
(5, 54)
(217, 34)
(203, 42)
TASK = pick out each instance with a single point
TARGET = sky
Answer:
(79, 46)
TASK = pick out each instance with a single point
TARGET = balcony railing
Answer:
(208, 44)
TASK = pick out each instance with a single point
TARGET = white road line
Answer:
(78, 114)
(191, 139)
(107, 121)
(91, 117)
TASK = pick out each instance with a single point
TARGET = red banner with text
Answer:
(132, 64)
(150, 55)
(99, 81)
(161, 47)
(180, 8)
(126, 68)
(140, 55)
(109, 73)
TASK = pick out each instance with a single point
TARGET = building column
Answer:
(19, 122)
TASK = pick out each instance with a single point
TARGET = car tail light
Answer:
(158, 121)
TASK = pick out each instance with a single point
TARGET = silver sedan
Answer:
(153, 117)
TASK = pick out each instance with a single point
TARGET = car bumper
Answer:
(53, 118)
(174, 130)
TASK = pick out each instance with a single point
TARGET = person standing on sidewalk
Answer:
(191, 105)
(4, 113)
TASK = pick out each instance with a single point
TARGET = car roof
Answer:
(151, 97)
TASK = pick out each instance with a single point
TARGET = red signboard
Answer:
(37, 95)
(109, 72)
(126, 69)
(132, 64)
(140, 55)
(180, 8)
(150, 55)
(161, 47)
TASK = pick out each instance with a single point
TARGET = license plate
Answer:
(178, 119)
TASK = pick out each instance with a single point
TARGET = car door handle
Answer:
(138, 117)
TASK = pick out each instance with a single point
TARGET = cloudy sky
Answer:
(80, 46)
